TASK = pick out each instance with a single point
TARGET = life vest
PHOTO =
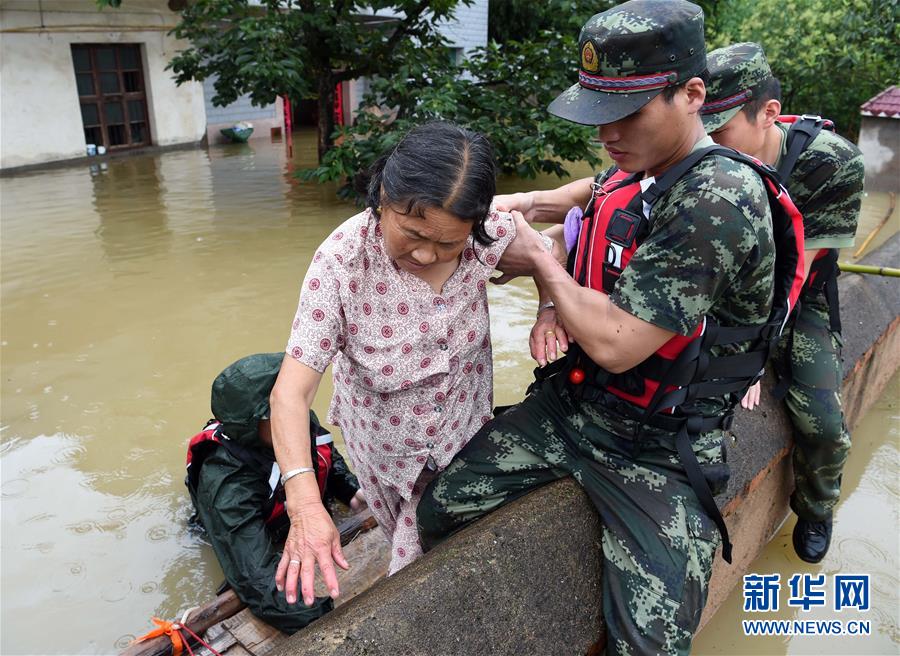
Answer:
(202, 444)
(824, 270)
(662, 390)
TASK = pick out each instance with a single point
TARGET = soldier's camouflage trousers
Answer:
(821, 440)
(658, 545)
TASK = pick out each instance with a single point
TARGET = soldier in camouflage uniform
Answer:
(709, 253)
(826, 183)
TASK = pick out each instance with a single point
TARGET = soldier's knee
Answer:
(431, 518)
(834, 432)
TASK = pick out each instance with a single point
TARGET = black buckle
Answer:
(624, 227)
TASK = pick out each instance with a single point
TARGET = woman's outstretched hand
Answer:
(548, 337)
(313, 538)
(751, 398)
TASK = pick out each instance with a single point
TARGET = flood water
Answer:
(126, 288)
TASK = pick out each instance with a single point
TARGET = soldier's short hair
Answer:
(768, 89)
(669, 92)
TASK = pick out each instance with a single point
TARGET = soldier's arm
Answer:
(610, 336)
(549, 205)
(230, 502)
(831, 212)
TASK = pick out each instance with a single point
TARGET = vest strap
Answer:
(799, 136)
(698, 482)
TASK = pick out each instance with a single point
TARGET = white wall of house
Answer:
(40, 116)
(469, 29)
(879, 141)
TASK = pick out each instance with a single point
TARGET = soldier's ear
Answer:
(695, 91)
(770, 112)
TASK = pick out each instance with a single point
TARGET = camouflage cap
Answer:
(628, 55)
(734, 73)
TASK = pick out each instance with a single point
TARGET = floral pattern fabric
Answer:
(412, 368)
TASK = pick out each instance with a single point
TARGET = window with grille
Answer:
(112, 94)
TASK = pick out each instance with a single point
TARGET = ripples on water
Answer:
(126, 288)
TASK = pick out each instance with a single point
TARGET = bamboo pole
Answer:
(869, 270)
(861, 249)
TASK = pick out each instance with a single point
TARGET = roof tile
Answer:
(886, 104)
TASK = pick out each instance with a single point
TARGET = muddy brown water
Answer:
(126, 287)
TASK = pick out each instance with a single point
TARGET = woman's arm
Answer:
(549, 205)
(229, 500)
(313, 537)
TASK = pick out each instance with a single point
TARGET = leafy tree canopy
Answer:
(830, 55)
(501, 90)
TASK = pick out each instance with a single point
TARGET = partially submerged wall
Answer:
(526, 579)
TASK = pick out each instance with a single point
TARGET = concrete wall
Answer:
(526, 579)
(40, 117)
(469, 29)
(879, 141)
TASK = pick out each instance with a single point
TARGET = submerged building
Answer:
(74, 78)
(73, 75)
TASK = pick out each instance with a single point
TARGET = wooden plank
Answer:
(252, 633)
(225, 605)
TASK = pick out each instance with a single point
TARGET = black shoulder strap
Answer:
(799, 136)
(663, 183)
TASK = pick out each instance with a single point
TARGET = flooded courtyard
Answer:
(126, 287)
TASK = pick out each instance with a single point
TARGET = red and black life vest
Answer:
(824, 270)
(211, 437)
(662, 390)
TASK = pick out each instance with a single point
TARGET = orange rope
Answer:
(173, 631)
(164, 628)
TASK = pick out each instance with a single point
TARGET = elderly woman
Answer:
(395, 299)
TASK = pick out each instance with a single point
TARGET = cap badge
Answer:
(589, 60)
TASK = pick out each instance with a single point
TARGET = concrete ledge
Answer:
(526, 579)
(13, 171)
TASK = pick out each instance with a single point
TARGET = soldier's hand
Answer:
(520, 255)
(521, 202)
(313, 538)
(751, 398)
(547, 333)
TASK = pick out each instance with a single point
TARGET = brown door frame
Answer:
(100, 99)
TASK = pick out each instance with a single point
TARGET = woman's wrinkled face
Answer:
(418, 243)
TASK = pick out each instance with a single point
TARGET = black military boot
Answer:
(811, 539)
